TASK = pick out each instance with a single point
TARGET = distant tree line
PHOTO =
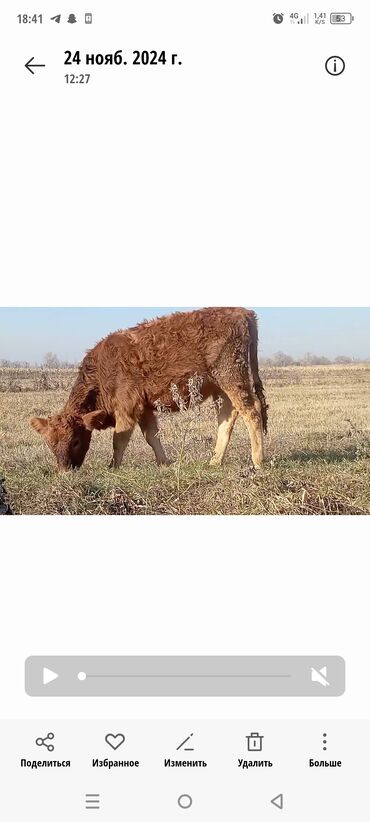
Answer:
(49, 361)
(279, 359)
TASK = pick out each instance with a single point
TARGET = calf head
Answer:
(68, 436)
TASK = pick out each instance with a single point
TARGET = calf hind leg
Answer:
(249, 407)
(227, 416)
(253, 420)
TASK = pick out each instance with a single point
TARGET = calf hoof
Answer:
(165, 463)
(215, 461)
(112, 466)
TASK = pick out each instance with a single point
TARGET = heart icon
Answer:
(115, 740)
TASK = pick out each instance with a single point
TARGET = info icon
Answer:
(335, 66)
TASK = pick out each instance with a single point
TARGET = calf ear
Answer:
(40, 424)
(97, 420)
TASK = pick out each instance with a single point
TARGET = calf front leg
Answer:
(121, 440)
(149, 427)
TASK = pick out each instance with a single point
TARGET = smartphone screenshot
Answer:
(184, 411)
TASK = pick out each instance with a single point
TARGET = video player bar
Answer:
(270, 676)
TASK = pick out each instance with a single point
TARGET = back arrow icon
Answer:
(278, 801)
(30, 65)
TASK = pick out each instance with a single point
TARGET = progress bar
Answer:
(184, 676)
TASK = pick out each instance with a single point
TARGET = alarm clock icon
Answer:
(278, 18)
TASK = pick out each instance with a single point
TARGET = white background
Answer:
(239, 178)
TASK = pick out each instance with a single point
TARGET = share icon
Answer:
(43, 741)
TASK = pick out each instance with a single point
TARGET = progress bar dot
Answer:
(81, 676)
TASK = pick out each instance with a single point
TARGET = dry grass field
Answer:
(318, 452)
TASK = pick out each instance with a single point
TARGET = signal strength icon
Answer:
(299, 18)
(57, 18)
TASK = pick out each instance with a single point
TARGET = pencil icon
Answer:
(184, 743)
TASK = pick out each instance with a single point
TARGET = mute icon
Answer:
(320, 676)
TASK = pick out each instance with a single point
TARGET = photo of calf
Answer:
(126, 376)
(187, 383)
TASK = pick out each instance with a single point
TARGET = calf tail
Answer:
(253, 361)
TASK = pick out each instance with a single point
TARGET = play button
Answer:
(278, 801)
(48, 676)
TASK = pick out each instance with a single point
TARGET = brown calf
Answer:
(123, 378)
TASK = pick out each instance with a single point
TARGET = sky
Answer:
(29, 333)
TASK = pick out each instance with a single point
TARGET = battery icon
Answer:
(341, 19)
